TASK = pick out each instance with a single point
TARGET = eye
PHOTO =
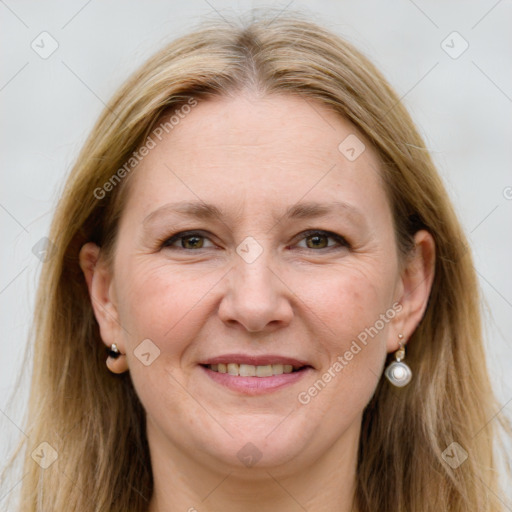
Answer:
(318, 239)
(189, 240)
(193, 240)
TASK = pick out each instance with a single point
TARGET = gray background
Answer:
(462, 106)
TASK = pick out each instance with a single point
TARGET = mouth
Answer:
(255, 375)
(249, 370)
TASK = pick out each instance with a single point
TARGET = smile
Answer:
(249, 370)
(247, 379)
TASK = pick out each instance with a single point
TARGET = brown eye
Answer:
(320, 240)
(184, 240)
(192, 242)
(317, 241)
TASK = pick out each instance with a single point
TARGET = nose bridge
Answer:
(256, 275)
(253, 274)
(256, 295)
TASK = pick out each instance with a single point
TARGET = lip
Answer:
(256, 385)
(254, 360)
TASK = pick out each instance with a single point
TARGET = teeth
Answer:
(233, 369)
(264, 371)
(277, 369)
(248, 370)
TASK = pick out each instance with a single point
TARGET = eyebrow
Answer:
(304, 210)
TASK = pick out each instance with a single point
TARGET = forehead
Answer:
(271, 150)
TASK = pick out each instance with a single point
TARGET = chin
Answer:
(256, 448)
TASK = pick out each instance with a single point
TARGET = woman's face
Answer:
(299, 268)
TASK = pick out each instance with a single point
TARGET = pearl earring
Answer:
(399, 373)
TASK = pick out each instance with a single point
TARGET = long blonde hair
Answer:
(94, 420)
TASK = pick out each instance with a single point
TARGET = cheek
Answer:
(161, 304)
(351, 299)
(354, 309)
(158, 302)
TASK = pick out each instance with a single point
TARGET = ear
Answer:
(416, 280)
(100, 285)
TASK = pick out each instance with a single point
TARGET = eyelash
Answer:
(166, 243)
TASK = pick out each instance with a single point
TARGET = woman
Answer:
(256, 234)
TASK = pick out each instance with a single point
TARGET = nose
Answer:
(256, 297)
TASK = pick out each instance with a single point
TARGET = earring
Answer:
(399, 373)
(113, 351)
(116, 363)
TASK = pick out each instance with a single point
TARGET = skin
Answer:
(253, 156)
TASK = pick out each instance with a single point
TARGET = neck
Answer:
(182, 483)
